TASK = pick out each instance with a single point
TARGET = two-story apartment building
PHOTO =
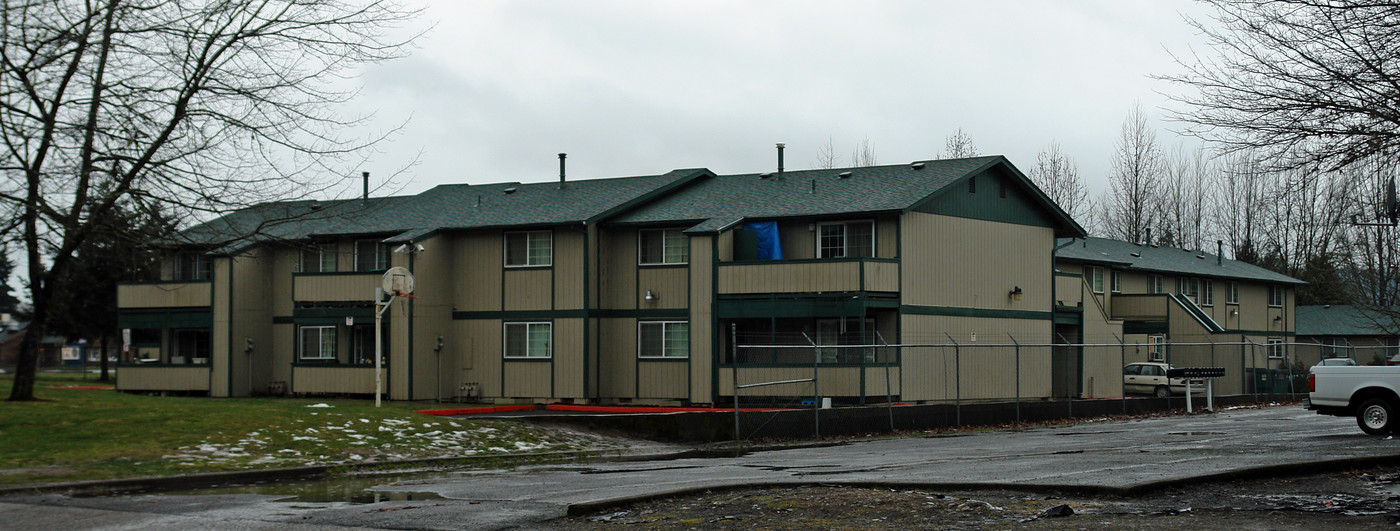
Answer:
(1212, 311)
(631, 289)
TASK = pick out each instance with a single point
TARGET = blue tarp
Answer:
(769, 248)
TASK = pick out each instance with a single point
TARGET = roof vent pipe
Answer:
(1149, 237)
(365, 175)
(1220, 252)
(780, 158)
(561, 169)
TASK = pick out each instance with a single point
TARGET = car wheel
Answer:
(1162, 392)
(1376, 416)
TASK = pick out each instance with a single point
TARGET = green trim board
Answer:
(910, 309)
(165, 318)
(163, 282)
(516, 315)
(775, 307)
(1144, 327)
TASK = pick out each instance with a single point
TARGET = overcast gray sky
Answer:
(497, 88)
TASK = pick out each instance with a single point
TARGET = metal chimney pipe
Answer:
(365, 175)
(561, 169)
(1149, 237)
(780, 158)
(1220, 252)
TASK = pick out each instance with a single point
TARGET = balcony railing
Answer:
(165, 294)
(335, 287)
(809, 276)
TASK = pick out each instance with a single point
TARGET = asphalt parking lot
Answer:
(1112, 457)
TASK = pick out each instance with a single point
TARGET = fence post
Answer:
(889, 393)
(1122, 362)
(1018, 375)
(1289, 364)
(734, 345)
(957, 378)
(816, 389)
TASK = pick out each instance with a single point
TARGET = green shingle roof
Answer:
(718, 202)
(1172, 260)
(1343, 320)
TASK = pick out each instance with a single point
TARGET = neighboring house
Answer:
(1367, 335)
(616, 290)
(49, 348)
(1211, 311)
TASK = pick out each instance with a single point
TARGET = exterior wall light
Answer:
(1016, 294)
(651, 296)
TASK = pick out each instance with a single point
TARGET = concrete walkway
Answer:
(1120, 457)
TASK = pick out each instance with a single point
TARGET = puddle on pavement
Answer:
(349, 489)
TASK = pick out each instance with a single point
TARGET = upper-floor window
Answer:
(1116, 282)
(529, 340)
(1156, 286)
(1232, 293)
(663, 339)
(662, 246)
(318, 258)
(1207, 292)
(533, 248)
(1096, 279)
(1188, 287)
(852, 239)
(371, 255)
(1275, 295)
(192, 266)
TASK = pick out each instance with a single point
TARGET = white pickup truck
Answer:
(1371, 394)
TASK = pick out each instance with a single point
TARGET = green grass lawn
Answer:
(97, 434)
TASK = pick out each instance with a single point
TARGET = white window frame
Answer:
(320, 343)
(1156, 284)
(1116, 281)
(381, 255)
(201, 268)
(529, 326)
(1157, 348)
(666, 236)
(845, 237)
(324, 252)
(530, 258)
(1096, 279)
(1232, 295)
(1207, 292)
(665, 350)
(1276, 291)
(1277, 344)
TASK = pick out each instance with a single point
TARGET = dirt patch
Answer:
(1341, 501)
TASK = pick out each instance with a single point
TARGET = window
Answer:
(318, 258)
(1096, 279)
(1207, 292)
(189, 346)
(371, 255)
(362, 344)
(529, 340)
(663, 339)
(318, 342)
(1275, 295)
(1157, 348)
(1188, 287)
(525, 249)
(846, 240)
(1116, 282)
(1232, 295)
(192, 266)
(1276, 348)
(1156, 285)
(668, 246)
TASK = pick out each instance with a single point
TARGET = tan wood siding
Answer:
(986, 371)
(528, 289)
(887, 237)
(220, 334)
(477, 260)
(668, 284)
(163, 378)
(617, 269)
(1069, 291)
(526, 379)
(349, 380)
(433, 372)
(1148, 308)
(835, 381)
(796, 240)
(252, 311)
(334, 287)
(618, 357)
(481, 355)
(568, 269)
(807, 277)
(568, 359)
(662, 379)
(702, 355)
(967, 263)
(164, 295)
(1103, 374)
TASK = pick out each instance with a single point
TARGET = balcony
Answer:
(335, 287)
(165, 294)
(809, 276)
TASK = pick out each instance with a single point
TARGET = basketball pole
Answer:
(379, 306)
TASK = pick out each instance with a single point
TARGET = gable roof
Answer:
(1343, 320)
(719, 202)
(1132, 256)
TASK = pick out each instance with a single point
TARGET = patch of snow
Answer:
(323, 404)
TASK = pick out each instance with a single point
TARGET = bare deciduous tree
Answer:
(1128, 209)
(864, 154)
(186, 106)
(958, 145)
(826, 156)
(1297, 82)
(1058, 176)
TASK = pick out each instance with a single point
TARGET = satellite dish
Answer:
(398, 281)
(1392, 210)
